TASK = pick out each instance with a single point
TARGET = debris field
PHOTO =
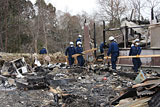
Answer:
(58, 85)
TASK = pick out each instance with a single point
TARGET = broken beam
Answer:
(146, 83)
(76, 55)
(84, 52)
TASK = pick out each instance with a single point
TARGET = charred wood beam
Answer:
(126, 37)
(104, 33)
(152, 14)
(130, 93)
(132, 14)
(120, 28)
(95, 39)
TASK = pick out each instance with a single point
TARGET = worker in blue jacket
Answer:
(79, 50)
(136, 51)
(79, 39)
(70, 51)
(43, 51)
(114, 51)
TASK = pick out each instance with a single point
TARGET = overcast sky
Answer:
(74, 6)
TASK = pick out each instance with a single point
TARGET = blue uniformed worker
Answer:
(70, 51)
(43, 51)
(114, 51)
(79, 39)
(136, 51)
(79, 50)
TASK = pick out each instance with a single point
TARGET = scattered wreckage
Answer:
(61, 86)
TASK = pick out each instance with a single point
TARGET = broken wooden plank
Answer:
(151, 82)
(55, 91)
(84, 52)
(141, 102)
(76, 55)
(130, 93)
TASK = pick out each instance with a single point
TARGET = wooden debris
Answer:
(145, 89)
(150, 82)
(141, 102)
(55, 91)
(84, 52)
(76, 55)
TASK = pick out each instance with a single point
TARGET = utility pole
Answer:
(95, 39)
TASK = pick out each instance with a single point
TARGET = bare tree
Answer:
(137, 5)
(6, 26)
(69, 27)
(112, 10)
(45, 22)
(153, 4)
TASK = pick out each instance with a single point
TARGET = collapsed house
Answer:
(146, 32)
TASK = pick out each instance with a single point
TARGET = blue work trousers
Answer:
(136, 63)
(114, 60)
(71, 60)
(80, 60)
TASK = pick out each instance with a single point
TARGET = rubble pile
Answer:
(29, 58)
(142, 94)
(63, 86)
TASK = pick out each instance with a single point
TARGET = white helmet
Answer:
(136, 40)
(79, 36)
(79, 42)
(111, 38)
(71, 43)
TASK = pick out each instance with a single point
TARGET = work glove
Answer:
(82, 54)
(106, 57)
(137, 55)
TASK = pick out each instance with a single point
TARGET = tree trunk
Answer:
(6, 27)
(1, 42)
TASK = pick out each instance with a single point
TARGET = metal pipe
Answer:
(95, 40)
(104, 32)
(126, 37)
